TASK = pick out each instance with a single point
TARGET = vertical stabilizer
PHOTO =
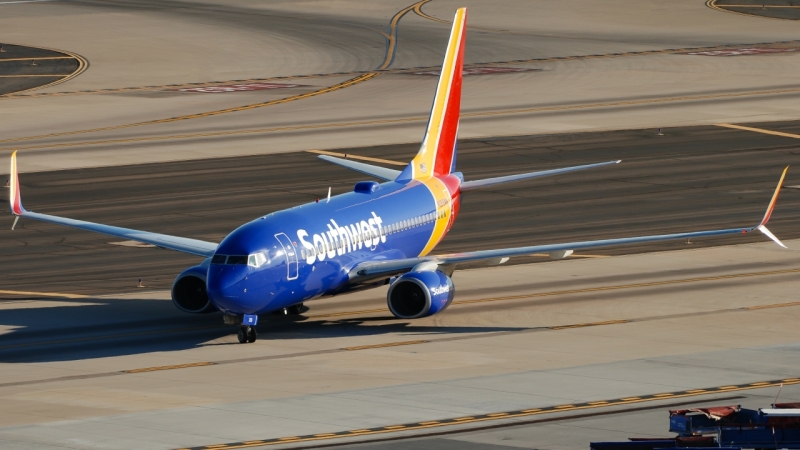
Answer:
(13, 192)
(437, 155)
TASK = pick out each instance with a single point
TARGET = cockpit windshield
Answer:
(253, 260)
(256, 259)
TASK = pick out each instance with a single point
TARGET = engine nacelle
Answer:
(189, 290)
(420, 294)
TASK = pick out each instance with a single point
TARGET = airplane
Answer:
(378, 234)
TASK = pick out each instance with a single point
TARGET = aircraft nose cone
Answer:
(227, 287)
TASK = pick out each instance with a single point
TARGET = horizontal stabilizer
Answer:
(469, 185)
(375, 171)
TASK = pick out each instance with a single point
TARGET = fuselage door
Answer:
(291, 255)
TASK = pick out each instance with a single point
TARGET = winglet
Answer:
(774, 200)
(762, 226)
(13, 193)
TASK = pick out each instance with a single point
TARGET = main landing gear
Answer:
(247, 334)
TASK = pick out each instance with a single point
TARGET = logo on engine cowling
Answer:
(440, 290)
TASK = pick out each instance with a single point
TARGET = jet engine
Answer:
(189, 291)
(420, 294)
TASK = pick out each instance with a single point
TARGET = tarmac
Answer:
(193, 117)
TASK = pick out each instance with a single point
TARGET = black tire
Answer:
(242, 336)
(295, 309)
(251, 334)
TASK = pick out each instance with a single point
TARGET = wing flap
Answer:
(376, 171)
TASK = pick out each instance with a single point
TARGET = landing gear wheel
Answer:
(247, 334)
(295, 309)
(251, 334)
(242, 335)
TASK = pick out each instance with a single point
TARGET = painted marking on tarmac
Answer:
(35, 75)
(485, 70)
(391, 34)
(173, 367)
(41, 58)
(713, 5)
(223, 88)
(503, 415)
(42, 294)
(25, 1)
(763, 6)
(389, 344)
(334, 125)
(24, 94)
(362, 158)
(390, 52)
(589, 324)
(775, 305)
(759, 130)
(83, 64)
(335, 87)
(744, 51)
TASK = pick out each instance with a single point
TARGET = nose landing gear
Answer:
(247, 330)
(247, 334)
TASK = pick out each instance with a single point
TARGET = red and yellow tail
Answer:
(14, 198)
(437, 155)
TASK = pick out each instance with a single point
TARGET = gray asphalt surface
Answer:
(13, 68)
(689, 179)
(578, 430)
(774, 9)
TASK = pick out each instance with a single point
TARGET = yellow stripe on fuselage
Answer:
(423, 163)
(444, 209)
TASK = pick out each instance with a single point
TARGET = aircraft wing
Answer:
(186, 245)
(375, 171)
(372, 270)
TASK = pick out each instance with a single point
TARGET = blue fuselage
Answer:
(306, 252)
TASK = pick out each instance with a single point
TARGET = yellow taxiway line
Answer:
(43, 58)
(362, 158)
(480, 418)
(43, 294)
(333, 125)
(759, 130)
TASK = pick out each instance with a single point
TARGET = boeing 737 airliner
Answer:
(378, 234)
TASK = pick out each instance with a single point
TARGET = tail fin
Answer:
(437, 155)
(13, 183)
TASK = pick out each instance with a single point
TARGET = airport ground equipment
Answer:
(725, 427)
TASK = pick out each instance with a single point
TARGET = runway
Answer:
(191, 117)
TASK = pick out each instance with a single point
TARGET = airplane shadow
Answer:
(90, 328)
